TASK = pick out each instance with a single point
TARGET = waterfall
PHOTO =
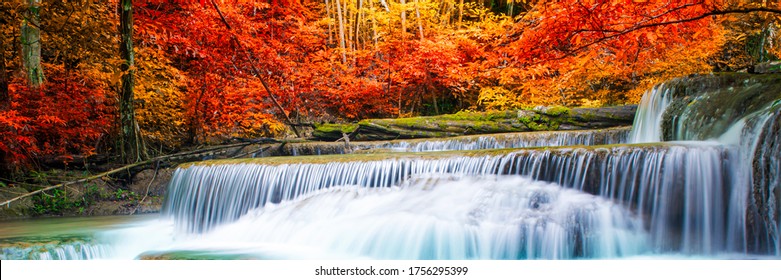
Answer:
(514, 140)
(68, 250)
(608, 136)
(767, 182)
(200, 197)
(740, 113)
(647, 126)
(680, 188)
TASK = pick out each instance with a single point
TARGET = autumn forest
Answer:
(135, 79)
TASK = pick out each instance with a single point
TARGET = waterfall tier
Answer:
(682, 189)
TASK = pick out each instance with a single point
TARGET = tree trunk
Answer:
(31, 44)
(4, 98)
(330, 26)
(357, 28)
(420, 21)
(350, 41)
(460, 12)
(131, 145)
(341, 31)
(403, 19)
(374, 24)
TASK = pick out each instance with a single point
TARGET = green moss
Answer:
(342, 128)
(557, 111)
(333, 131)
(538, 122)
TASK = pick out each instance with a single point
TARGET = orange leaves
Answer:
(195, 83)
(590, 47)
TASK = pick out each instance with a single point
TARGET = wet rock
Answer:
(766, 68)
(144, 179)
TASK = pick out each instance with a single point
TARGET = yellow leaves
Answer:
(161, 113)
(496, 98)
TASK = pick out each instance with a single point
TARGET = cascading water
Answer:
(473, 142)
(647, 127)
(515, 140)
(664, 182)
(201, 197)
(445, 218)
(767, 184)
(740, 112)
(69, 250)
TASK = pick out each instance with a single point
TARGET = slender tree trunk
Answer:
(420, 21)
(460, 12)
(330, 26)
(4, 98)
(347, 9)
(403, 19)
(436, 105)
(31, 44)
(357, 28)
(131, 144)
(374, 24)
(341, 31)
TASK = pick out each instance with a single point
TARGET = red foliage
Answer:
(67, 116)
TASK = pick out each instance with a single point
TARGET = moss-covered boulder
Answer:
(468, 123)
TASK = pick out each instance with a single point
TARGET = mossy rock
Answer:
(705, 106)
(333, 132)
(470, 123)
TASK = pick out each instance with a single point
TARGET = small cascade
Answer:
(766, 191)
(483, 217)
(66, 250)
(682, 189)
(608, 136)
(647, 127)
(514, 140)
(736, 111)
(200, 197)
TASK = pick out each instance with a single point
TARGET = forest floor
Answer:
(100, 197)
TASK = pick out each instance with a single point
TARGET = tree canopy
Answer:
(209, 70)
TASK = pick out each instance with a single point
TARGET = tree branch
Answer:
(618, 33)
